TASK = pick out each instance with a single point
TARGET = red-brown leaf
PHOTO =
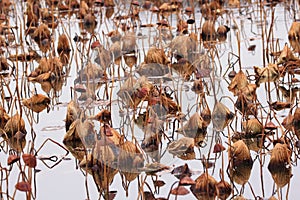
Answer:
(29, 160)
(12, 159)
(23, 186)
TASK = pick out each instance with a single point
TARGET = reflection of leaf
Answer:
(221, 116)
(37, 102)
(182, 146)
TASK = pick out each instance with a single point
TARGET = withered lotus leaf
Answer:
(223, 190)
(280, 156)
(152, 69)
(208, 31)
(37, 102)
(181, 171)
(221, 116)
(106, 131)
(23, 186)
(238, 82)
(155, 167)
(130, 156)
(267, 74)
(287, 122)
(281, 175)
(244, 105)
(279, 105)
(194, 127)
(63, 49)
(42, 36)
(197, 86)
(103, 56)
(73, 113)
(239, 152)
(205, 187)
(180, 190)
(128, 42)
(286, 55)
(293, 35)
(296, 122)
(29, 160)
(4, 117)
(206, 116)
(183, 46)
(155, 55)
(253, 126)
(182, 146)
(15, 124)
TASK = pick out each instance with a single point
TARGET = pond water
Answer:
(257, 30)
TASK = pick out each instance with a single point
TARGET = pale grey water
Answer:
(66, 182)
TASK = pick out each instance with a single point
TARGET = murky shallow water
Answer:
(67, 181)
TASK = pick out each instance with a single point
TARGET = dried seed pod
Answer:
(222, 32)
(205, 187)
(218, 148)
(37, 102)
(186, 180)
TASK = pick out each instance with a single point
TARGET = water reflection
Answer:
(161, 99)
